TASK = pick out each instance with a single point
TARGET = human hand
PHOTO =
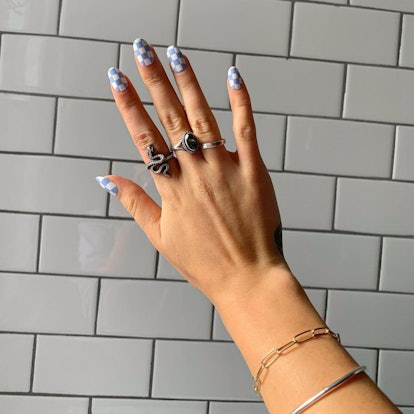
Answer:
(219, 213)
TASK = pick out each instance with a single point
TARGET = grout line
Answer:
(334, 202)
(393, 154)
(290, 38)
(399, 45)
(98, 300)
(326, 305)
(380, 263)
(54, 129)
(285, 143)
(212, 325)
(345, 81)
(60, 8)
(32, 373)
(152, 364)
(378, 366)
(39, 242)
(178, 22)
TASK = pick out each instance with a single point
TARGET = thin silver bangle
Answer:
(329, 388)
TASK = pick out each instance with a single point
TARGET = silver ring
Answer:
(214, 144)
(188, 143)
(159, 162)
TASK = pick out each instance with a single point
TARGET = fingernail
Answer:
(235, 80)
(117, 79)
(108, 185)
(143, 52)
(176, 58)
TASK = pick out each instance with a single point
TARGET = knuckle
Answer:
(173, 122)
(245, 131)
(204, 125)
(143, 138)
(153, 79)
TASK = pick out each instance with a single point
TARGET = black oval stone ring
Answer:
(188, 143)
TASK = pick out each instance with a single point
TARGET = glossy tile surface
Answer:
(395, 373)
(18, 404)
(209, 380)
(106, 366)
(333, 260)
(379, 94)
(123, 310)
(34, 179)
(339, 33)
(404, 154)
(15, 362)
(407, 38)
(310, 205)
(47, 304)
(87, 128)
(397, 265)
(399, 5)
(237, 408)
(103, 20)
(272, 17)
(19, 240)
(33, 135)
(77, 65)
(40, 16)
(375, 310)
(375, 206)
(95, 247)
(124, 406)
(339, 147)
(301, 86)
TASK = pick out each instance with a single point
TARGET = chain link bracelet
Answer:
(271, 357)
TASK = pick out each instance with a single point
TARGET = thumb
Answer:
(137, 202)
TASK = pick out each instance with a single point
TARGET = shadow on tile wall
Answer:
(92, 320)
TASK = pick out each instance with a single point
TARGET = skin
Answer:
(216, 227)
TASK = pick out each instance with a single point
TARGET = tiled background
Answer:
(92, 320)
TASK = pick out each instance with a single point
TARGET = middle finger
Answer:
(166, 102)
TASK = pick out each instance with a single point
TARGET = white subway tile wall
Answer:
(92, 319)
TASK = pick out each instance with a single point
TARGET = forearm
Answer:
(271, 316)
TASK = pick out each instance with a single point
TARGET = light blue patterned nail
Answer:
(108, 185)
(235, 80)
(117, 79)
(176, 59)
(143, 52)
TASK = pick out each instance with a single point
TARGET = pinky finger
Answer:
(243, 122)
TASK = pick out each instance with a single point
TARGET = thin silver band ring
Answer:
(214, 144)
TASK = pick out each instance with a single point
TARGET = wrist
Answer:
(267, 314)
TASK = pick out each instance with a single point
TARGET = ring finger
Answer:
(199, 114)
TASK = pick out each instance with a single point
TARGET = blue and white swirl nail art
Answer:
(143, 52)
(117, 79)
(108, 185)
(176, 58)
(235, 80)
